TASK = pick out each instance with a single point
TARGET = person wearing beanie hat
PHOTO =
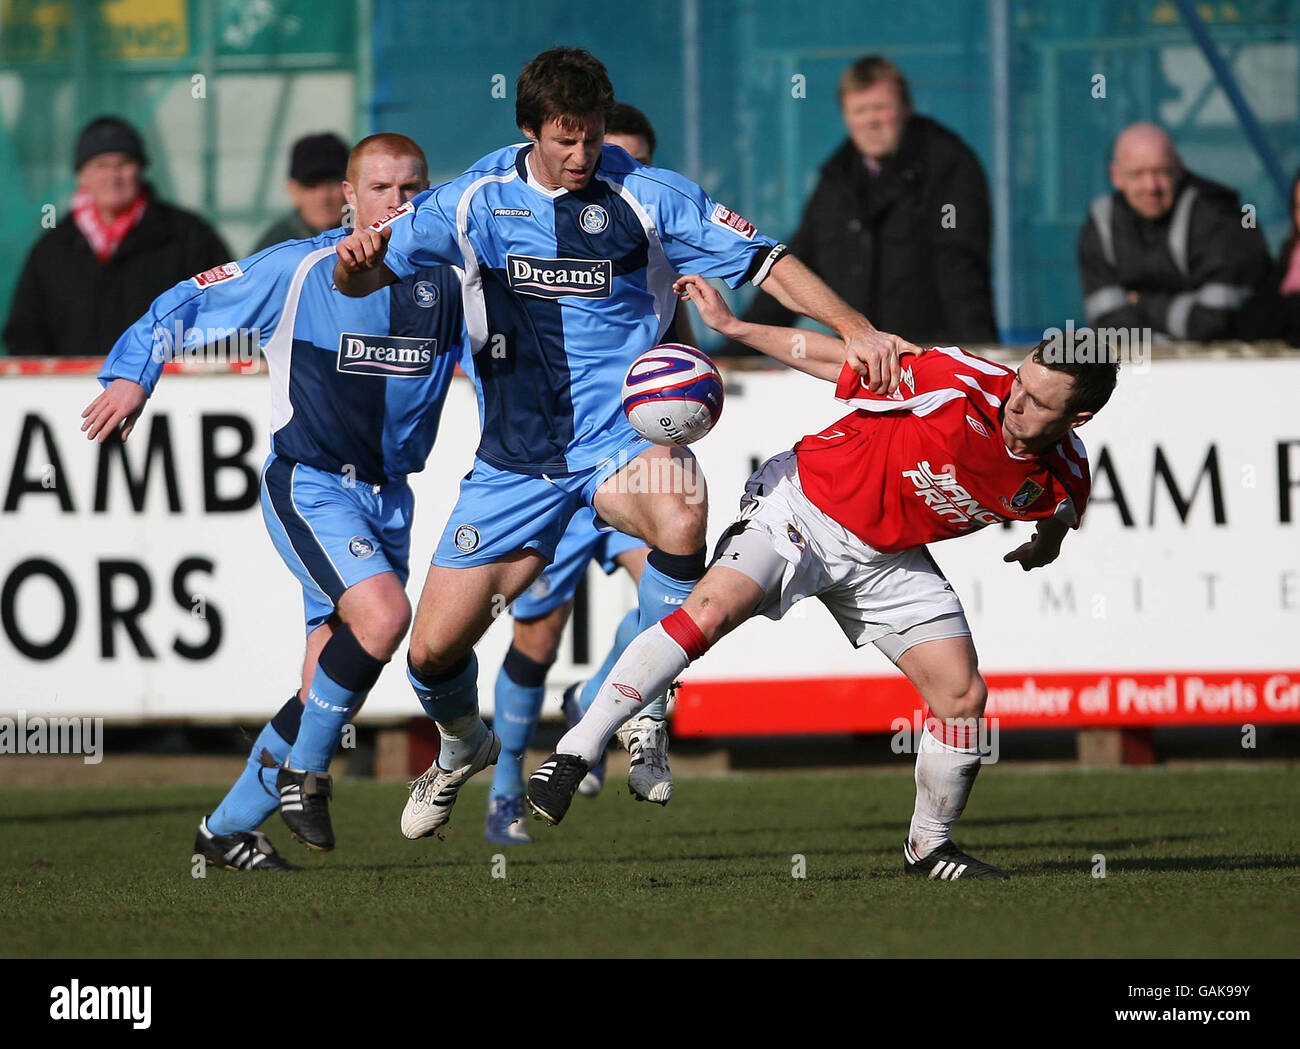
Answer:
(86, 279)
(317, 166)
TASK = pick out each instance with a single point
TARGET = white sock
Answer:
(944, 777)
(645, 670)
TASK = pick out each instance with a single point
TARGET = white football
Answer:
(672, 394)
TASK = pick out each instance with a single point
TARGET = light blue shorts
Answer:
(581, 543)
(334, 531)
(499, 512)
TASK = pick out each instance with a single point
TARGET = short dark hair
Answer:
(869, 70)
(565, 84)
(628, 120)
(1094, 369)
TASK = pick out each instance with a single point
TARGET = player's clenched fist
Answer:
(875, 355)
(119, 405)
(363, 249)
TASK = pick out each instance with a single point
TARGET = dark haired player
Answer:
(569, 250)
(542, 611)
(845, 517)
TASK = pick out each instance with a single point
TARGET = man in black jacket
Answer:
(899, 223)
(1167, 251)
(89, 278)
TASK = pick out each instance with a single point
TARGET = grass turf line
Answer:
(1199, 863)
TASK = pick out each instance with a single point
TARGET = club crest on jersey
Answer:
(425, 294)
(792, 533)
(217, 274)
(558, 278)
(593, 219)
(466, 539)
(361, 547)
(1029, 491)
(734, 221)
(395, 356)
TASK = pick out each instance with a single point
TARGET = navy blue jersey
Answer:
(357, 385)
(564, 290)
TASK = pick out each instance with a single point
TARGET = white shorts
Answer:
(792, 550)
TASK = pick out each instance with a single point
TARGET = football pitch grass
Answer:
(1199, 862)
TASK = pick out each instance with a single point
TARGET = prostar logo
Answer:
(942, 494)
(396, 356)
(558, 278)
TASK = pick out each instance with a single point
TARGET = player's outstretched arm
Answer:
(805, 351)
(873, 354)
(360, 269)
(1043, 548)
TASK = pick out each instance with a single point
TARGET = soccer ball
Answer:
(672, 394)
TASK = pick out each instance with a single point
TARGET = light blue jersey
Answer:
(357, 389)
(562, 291)
(357, 385)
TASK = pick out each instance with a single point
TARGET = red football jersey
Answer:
(928, 461)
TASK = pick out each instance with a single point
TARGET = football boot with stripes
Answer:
(305, 806)
(434, 793)
(594, 781)
(648, 776)
(948, 863)
(552, 786)
(242, 851)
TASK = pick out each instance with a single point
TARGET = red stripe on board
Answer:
(91, 366)
(1092, 699)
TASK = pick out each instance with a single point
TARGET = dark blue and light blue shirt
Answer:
(563, 290)
(357, 385)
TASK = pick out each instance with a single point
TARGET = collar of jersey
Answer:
(532, 182)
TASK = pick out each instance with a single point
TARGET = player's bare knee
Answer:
(970, 703)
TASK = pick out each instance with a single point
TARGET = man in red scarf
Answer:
(98, 269)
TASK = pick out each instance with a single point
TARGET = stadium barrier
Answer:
(137, 581)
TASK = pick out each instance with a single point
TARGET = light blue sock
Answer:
(329, 706)
(628, 628)
(516, 709)
(253, 797)
(452, 702)
(659, 595)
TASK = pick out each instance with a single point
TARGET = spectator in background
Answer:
(1274, 313)
(317, 167)
(87, 279)
(899, 222)
(1167, 250)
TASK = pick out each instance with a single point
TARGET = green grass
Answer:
(1199, 863)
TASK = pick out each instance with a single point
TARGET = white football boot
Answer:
(648, 776)
(434, 793)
